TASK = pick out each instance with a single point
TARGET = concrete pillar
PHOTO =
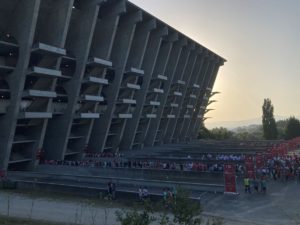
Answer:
(159, 70)
(102, 45)
(21, 26)
(52, 30)
(153, 130)
(196, 126)
(120, 52)
(208, 74)
(200, 73)
(78, 42)
(148, 64)
(187, 77)
(135, 59)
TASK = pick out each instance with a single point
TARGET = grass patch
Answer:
(95, 201)
(4, 220)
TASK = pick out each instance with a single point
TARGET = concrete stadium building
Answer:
(98, 74)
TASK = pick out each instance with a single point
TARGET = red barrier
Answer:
(249, 165)
(230, 178)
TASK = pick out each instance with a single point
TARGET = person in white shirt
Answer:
(145, 193)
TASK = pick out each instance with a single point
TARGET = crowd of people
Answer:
(258, 184)
(279, 168)
(168, 194)
(196, 166)
(283, 168)
(111, 160)
(221, 157)
(102, 155)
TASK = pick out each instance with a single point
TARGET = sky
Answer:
(260, 39)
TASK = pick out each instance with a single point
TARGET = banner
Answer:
(229, 178)
(249, 165)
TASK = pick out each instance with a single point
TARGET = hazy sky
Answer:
(260, 40)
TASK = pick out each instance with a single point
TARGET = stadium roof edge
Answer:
(170, 27)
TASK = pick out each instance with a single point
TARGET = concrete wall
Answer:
(98, 75)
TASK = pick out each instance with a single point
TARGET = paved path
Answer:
(279, 207)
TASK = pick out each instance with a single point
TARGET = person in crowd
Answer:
(255, 185)
(174, 192)
(263, 184)
(169, 196)
(140, 193)
(165, 195)
(145, 193)
(113, 190)
(109, 190)
(247, 185)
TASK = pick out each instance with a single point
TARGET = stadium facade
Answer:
(102, 75)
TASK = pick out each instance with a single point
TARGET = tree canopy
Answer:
(292, 128)
(268, 121)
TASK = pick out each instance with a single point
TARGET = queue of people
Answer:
(279, 168)
(102, 155)
(283, 168)
(258, 184)
(196, 166)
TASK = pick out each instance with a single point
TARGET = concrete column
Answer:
(139, 43)
(119, 57)
(51, 30)
(135, 59)
(78, 42)
(172, 98)
(159, 69)
(200, 96)
(195, 129)
(21, 26)
(106, 28)
(51, 27)
(103, 40)
(148, 64)
(187, 75)
(170, 70)
(193, 80)
(200, 75)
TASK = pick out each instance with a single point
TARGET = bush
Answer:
(135, 217)
(183, 211)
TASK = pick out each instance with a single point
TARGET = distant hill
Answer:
(241, 123)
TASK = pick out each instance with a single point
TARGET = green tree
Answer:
(292, 128)
(220, 133)
(251, 132)
(268, 121)
(204, 133)
(184, 210)
(181, 211)
(281, 128)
